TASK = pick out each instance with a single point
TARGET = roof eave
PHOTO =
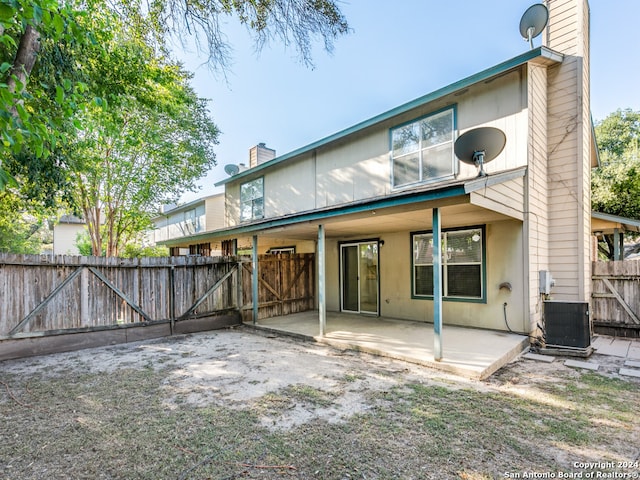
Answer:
(630, 223)
(540, 56)
(457, 188)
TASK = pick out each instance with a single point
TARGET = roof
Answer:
(540, 55)
(615, 221)
(71, 219)
(186, 206)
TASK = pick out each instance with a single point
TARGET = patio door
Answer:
(359, 277)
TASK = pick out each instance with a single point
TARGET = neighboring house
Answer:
(368, 199)
(179, 223)
(65, 232)
(605, 224)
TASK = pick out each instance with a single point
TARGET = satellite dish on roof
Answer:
(480, 146)
(231, 169)
(533, 22)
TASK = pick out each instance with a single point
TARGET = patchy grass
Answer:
(119, 425)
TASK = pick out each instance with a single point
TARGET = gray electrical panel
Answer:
(547, 282)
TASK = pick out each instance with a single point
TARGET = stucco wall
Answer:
(504, 263)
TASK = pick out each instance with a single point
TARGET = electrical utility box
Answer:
(567, 324)
(547, 282)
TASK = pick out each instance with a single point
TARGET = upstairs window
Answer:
(422, 151)
(462, 264)
(252, 200)
(191, 224)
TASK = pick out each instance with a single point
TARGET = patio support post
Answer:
(437, 286)
(254, 279)
(322, 311)
(617, 243)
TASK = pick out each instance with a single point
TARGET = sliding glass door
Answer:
(359, 277)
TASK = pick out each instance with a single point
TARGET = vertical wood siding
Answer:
(286, 285)
(27, 281)
(615, 302)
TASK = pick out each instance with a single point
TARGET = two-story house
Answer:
(178, 224)
(376, 200)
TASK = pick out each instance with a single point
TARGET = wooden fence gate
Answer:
(615, 298)
(286, 284)
(119, 299)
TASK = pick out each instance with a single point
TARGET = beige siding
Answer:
(232, 204)
(214, 212)
(506, 198)
(536, 231)
(359, 167)
(500, 104)
(352, 171)
(569, 150)
(290, 188)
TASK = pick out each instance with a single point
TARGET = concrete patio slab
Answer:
(468, 352)
(630, 372)
(634, 350)
(584, 365)
(612, 346)
(539, 358)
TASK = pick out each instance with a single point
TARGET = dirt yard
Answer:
(236, 404)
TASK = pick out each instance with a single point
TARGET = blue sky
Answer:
(396, 52)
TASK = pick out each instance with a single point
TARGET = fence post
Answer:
(239, 290)
(84, 296)
(172, 298)
(254, 279)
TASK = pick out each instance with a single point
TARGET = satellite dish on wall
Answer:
(231, 169)
(480, 146)
(533, 22)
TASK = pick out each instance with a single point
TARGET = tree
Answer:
(43, 32)
(615, 184)
(19, 228)
(29, 31)
(92, 112)
(146, 141)
(297, 23)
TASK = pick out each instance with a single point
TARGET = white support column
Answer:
(437, 286)
(322, 307)
(254, 279)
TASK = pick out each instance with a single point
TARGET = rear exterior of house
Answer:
(180, 223)
(368, 199)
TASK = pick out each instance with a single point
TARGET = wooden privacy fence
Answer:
(43, 295)
(615, 298)
(286, 284)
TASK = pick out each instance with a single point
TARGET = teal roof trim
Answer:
(316, 215)
(543, 53)
(629, 222)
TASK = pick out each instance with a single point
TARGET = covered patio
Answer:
(469, 352)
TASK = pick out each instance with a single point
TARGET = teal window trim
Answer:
(483, 269)
(422, 180)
